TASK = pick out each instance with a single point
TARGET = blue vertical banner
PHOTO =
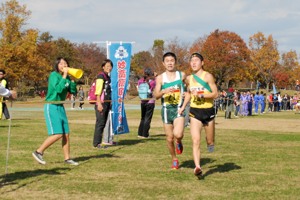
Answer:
(120, 55)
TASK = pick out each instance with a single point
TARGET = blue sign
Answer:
(120, 55)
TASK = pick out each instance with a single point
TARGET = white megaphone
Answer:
(77, 73)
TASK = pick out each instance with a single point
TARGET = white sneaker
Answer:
(71, 162)
(38, 157)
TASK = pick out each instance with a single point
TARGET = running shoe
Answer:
(38, 157)
(71, 162)
(198, 172)
(175, 164)
(211, 148)
(108, 143)
(179, 147)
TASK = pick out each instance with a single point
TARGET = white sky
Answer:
(143, 21)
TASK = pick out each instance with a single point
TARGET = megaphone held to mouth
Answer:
(77, 73)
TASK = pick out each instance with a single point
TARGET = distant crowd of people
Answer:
(247, 103)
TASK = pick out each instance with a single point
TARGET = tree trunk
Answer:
(267, 87)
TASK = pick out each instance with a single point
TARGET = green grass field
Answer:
(247, 164)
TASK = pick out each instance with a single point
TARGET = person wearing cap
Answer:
(201, 91)
(147, 105)
(170, 88)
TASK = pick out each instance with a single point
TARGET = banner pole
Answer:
(107, 51)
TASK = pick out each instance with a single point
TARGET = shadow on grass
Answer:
(108, 151)
(190, 163)
(23, 119)
(226, 167)
(85, 158)
(137, 141)
(6, 126)
(12, 178)
(129, 142)
(158, 135)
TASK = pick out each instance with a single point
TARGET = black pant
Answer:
(5, 111)
(80, 105)
(146, 117)
(101, 118)
(81, 101)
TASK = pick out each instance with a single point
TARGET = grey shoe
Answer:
(211, 148)
(38, 157)
(71, 162)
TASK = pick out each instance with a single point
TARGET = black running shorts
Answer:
(204, 115)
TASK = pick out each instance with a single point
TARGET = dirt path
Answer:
(248, 123)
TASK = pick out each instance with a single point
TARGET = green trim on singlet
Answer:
(167, 85)
(202, 82)
(178, 83)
